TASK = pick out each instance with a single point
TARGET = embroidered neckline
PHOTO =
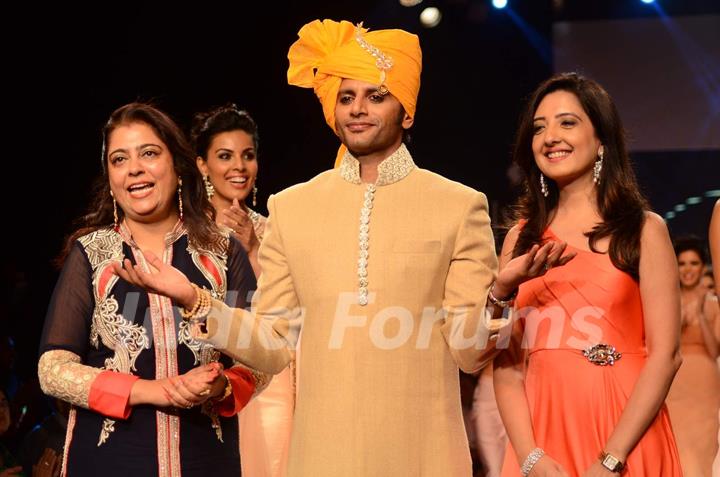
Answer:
(393, 169)
(171, 237)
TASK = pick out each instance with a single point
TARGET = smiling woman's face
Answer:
(564, 143)
(231, 165)
(141, 173)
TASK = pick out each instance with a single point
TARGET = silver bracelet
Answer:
(508, 302)
(531, 460)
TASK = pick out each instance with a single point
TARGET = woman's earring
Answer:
(115, 214)
(598, 166)
(180, 208)
(543, 186)
(254, 200)
(209, 187)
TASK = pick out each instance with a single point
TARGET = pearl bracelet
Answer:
(203, 303)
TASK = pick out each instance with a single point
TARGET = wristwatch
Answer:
(611, 463)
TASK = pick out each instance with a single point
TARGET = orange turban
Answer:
(328, 51)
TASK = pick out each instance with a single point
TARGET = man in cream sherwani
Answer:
(386, 268)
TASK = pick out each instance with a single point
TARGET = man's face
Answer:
(367, 122)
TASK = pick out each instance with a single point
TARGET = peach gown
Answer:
(266, 422)
(575, 404)
(693, 401)
(265, 428)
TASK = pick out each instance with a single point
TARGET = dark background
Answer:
(66, 68)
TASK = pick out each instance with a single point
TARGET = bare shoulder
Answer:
(654, 229)
(656, 249)
(715, 219)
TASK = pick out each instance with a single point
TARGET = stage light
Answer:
(647, 1)
(499, 3)
(410, 3)
(430, 17)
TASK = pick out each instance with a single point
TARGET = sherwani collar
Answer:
(396, 167)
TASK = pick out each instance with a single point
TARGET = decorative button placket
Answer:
(364, 240)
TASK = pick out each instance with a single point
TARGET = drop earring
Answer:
(115, 214)
(180, 205)
(543, 186)
(597, 168)
(209, 187)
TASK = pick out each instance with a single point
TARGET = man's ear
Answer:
(407, 121)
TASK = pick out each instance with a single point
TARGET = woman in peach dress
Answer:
(226, 144)
(694, 397)
(714, 238)
(594, 349)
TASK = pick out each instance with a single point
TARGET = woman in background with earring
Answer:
(226, 144)
(148, 399)
(581, 389)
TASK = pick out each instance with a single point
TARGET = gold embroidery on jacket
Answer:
(62, 375)
(125, 338)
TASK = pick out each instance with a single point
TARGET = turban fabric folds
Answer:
(327, 51)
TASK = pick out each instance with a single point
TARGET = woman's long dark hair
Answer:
(198, 213)
(620, 202)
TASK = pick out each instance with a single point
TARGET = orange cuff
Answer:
(243, 387)
(110, 394)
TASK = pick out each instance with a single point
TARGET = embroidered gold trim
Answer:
(396, 167)
(163, 320)
(126, 339)
(108, 427)
(383, 62)
(62, 375)
(72, 418)
(218, 260)
(102, 247)
(203, 352)
(262, 380)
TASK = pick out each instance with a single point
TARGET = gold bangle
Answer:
(226, 392)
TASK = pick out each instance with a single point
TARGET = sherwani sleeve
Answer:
(261, 338)
(468, 329)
